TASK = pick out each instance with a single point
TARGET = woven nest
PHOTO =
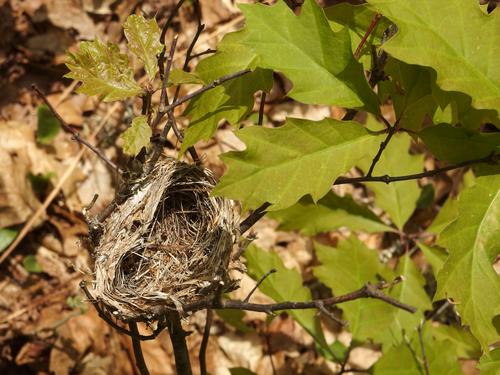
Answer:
(168, 244)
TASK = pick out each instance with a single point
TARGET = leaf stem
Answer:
(370, 29)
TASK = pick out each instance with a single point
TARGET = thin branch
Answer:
(370, 29)
(266, 275)
(412, 351)
(367, 291)
(261, 108)
(204, 342)
(254, 217)
(383, 145)
(422, 348)
(161, 57)
(331, 315)
(210, 86)
(73, 132)
(178, 338)
(490, 159)
(136, 344)
(189, 51)
(206, 52)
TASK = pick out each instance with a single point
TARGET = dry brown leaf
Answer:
(70, 14)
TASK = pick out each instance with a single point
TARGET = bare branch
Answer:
(254, 217)
(73, 132)
(383, 145)
(490, 159)
(178, 339)
(261, 108)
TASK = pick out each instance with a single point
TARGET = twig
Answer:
(383, 145)
(388, 179)
(266, 275)
(422, 348)
(204, 342)
(210, 86)
(73, 132)
(136, 344)
(161, 57)
(166, 75)
(206, 52)
(367, 291)
(261, 108)
(178, 338)
(412, 351)
(331, 315)
(253, 217)
(54, 193)
(370, 29)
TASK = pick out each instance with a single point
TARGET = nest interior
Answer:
(168, 244)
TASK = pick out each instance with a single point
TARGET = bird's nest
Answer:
(168, 244)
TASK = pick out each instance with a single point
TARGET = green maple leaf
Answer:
(331, 212)
(473, 242)
(282, 165)
(455, 38)
(318, 61)
(350, 266)
(143, 38)
(137, 136)
(283, 285)
(397, 199)
(103, 71)
(231, 101)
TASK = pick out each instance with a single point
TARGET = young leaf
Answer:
(234, 99)
(472, 242)
(284, 285)
(143, 38)
(330, 213)
(398, 199)
(137, 136)
(318, 61)
(457, 144)
(455, 38)
(490, 362)
(103, 71)
(282, 165)
(47, 125)
(235, 318)
(348, 267)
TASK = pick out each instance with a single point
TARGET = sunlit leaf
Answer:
(31, 265)
(318, 61)
(473, 242)
(455, 38)
(490, 362)
(302, 157)
(103, 71)
(7, 235)
(137, 136)
(179, 77)
(143, 38)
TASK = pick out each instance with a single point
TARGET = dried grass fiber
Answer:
(168, 244)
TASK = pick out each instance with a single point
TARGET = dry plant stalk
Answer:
(168, 244)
